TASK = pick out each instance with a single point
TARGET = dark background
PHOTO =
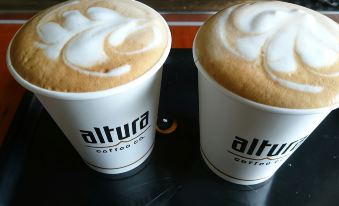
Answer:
(170, 5)
(38, 166)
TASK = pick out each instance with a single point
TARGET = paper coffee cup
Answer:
(113, 130)
(245, 142)
(263, 85)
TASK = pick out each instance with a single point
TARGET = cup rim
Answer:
(257, 105)
(94, 94)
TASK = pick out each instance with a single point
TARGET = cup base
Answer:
(127, 171)
(125, 174)
(234, 180)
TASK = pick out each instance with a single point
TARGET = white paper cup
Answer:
(245, 142)
(113, 130)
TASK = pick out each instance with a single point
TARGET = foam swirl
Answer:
(80, 39)
(289, 36)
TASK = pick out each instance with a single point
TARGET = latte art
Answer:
(90, 45)
(81, 39)
(285, 35)
(272, 52)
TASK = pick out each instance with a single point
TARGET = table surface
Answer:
(183, 25)
(175, 5)
(38, 166)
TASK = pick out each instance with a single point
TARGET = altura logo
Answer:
(107, 134)
(260, 148)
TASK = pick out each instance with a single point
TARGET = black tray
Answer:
(38, 166)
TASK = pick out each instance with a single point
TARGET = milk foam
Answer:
(284, 33)
(80, 39)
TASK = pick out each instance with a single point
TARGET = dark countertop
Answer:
(38, 166)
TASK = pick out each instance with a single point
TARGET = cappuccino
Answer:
(268, 75)
(85, 46)
(274, 53)
(96, 67)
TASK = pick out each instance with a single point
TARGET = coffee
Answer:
(96, 67)
(84, 46)
(274, 53)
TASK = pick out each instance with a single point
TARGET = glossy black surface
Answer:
(38, 166)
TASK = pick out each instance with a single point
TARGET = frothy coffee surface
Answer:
(82, 46)
(273, 53)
